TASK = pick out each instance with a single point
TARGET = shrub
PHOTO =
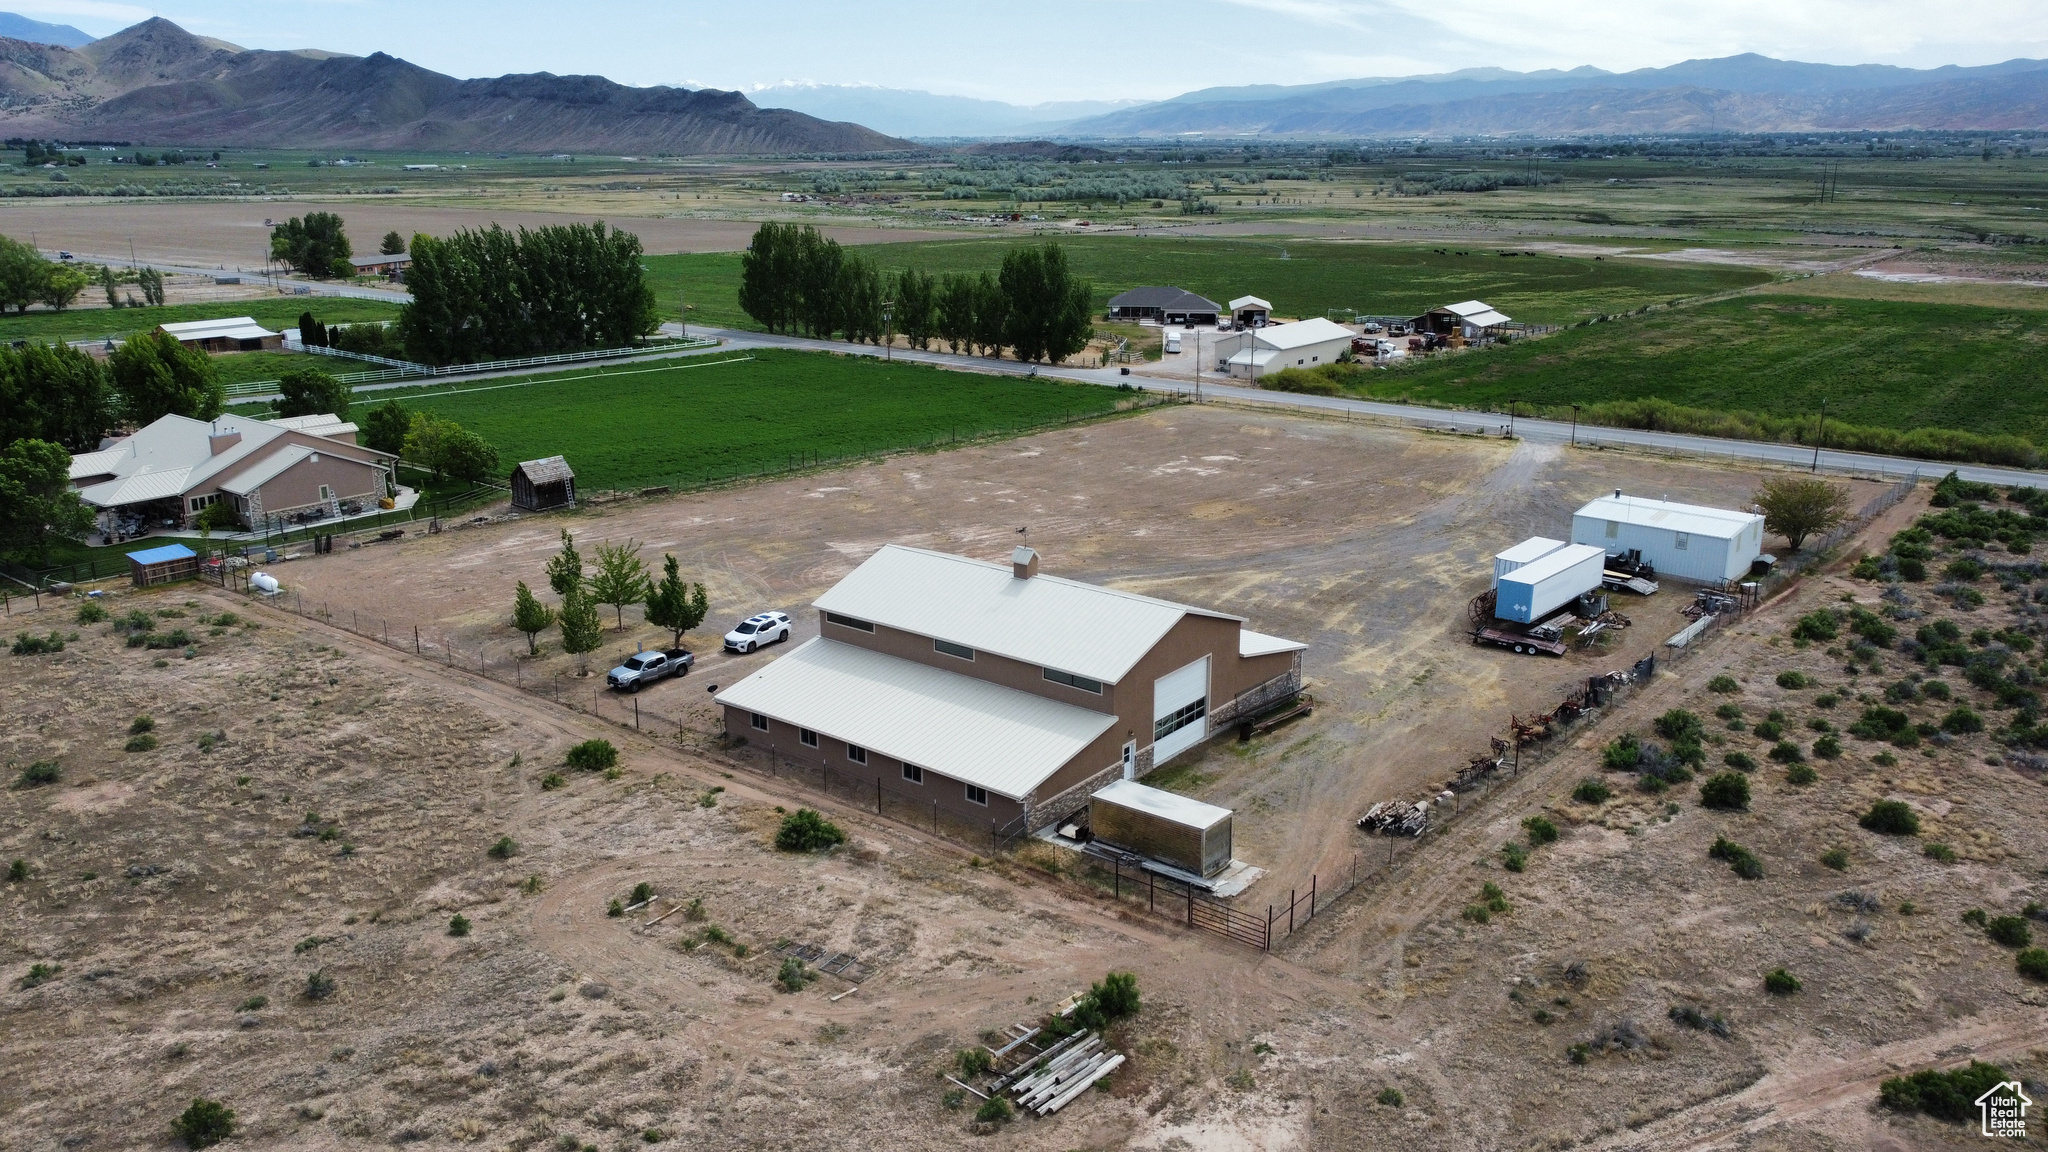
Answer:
(1513, 856)
(1621, 753)
(1891, 818)
(2010, 931)
(91, 612)
(552, 781)
(1494, 899)
(1740, 761)
(27, 645)
(1726, 790)
(1477, 913)
(458, 925)
(1828, 747)
(1975, 916)
(1938, 851)
(253, 1004)
(1826, 700)
(141, 724)
(17, 871)
(2032, 963)
(204, 1124)
(1117, 996)
(1779, 982)
(1801, 775)
(593, 756)
(1791, 679)
(994, 1110)
(1935, 690)
(1723, 683)
(1740, 860)
(793, 975)
(1879, 723)
(616, 908)
(805, 831)
(1729, 712)
(1950, 1095)
(40, 974)
(1680, 725)
(642, 893)
(504, 849)
(973, 1062)
(1592, 790)
(1770, 729)
(1912, 568)
(1962, 721)
(142, 743)
(1390, 1098)
(1821, 625)
(1786, 752)
(1541, 831)
(1836, 858)
(319, 985)
(38, 774)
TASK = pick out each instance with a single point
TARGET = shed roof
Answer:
(1002, 739)
(547, 470)
(1183, 810)
(1692, 519)
(1250, 302)
(1301, 334)
(1164, 298)
(232, 328)
(1250, 643)
(163, 555)
(1073, 627)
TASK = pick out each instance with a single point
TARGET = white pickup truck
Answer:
(643, 668)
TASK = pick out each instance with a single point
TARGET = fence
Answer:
(1880, 504)
(406, 370)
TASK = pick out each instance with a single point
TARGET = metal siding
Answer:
(1533, 591)
(1705, 560)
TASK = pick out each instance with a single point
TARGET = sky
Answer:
(1086, 49)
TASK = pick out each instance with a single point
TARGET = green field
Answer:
(1301, 278)
(1875, 363)
(272, 312)
(722, 414)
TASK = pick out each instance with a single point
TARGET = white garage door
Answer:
(1180, 710)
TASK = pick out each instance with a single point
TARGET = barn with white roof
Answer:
(1468, 318)
(1688, 541)
(1302, 344)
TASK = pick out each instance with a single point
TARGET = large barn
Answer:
(1001, 693)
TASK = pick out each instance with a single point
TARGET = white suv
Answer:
(754, 631)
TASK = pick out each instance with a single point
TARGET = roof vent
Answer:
(1024, 563)
(1617, 493)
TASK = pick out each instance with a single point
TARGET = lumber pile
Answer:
(1395, 818)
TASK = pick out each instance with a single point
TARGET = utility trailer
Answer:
(1629, 572)
(1525, 644)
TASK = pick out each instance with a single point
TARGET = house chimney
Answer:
(1617, 493)
(220, 442)
(1024, 563)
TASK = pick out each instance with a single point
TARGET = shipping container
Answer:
(1165, 826)
(1537, 589)
(1527, 552)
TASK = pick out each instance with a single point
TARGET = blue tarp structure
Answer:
(163, 555)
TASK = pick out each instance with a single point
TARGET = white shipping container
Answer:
(1537, 589)
(1527, 552)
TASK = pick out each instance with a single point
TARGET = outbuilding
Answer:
(1687, 541)
(1250, 312)
(1165, 305)
(538, 485)
(235, 334)
(1302, 344)
(1468, 318)
(1173, 829)
(163, 565)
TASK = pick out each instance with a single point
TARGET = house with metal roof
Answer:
(999, 692)
(235, 334)
(1165, 305)
(1469, 318)
(1688, 541)
(270, 471)
(1302, 344)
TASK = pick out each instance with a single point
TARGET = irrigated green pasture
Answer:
(685, 422)
(1878, 363)
(1301, 278)
(275, 313)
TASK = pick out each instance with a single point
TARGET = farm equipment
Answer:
(1629, 572)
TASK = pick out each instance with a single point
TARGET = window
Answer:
(913, 773)
(1073, 681)
(977, 795)
(848, 622)
(1681, 540)
(856, 753)
(1614, 529)
(1179, 718)
(952, 649)
(326, 493)
(759, 721)
(807, 738)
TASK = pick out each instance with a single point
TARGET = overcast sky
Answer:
(1087, 49)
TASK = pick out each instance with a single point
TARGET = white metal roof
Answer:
(1250, 302)
(1250, 643)
(998, 738)
(138, 488)
(232, 328)
(1561, 560)
(1534, 548)
(1487, 319)
(1469, 307)
(1302, 333)
(268, 470)
(1693, 519)
(1063, 624)
(324, 424)
(174, 455)
(1182, 810)
(1262, 357)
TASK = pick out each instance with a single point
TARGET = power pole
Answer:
(888, 330)
(1819, 431)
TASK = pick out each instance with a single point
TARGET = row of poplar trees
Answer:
(792, 279)
(498, 295)
(619, 578)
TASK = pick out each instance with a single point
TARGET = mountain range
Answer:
(903, 112)
(1746, 93)
(157, 83)
(15, 27)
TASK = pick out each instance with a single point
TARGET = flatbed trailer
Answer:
(1517, 642)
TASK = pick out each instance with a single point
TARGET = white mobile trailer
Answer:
(1527, 552)
(1541, 587)
(1688, 541)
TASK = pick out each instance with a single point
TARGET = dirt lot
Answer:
(1364, 542)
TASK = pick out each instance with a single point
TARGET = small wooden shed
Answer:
(163, 565)
(538, 485)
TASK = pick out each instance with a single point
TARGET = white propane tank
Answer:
(264, 582)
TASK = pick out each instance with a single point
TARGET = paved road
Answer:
(1539, 431)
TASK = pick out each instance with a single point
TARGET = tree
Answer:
(37, 501)
(53, 392)
(1048, 311)
(393, 245)
(423, 441)
(218, 516)
(23, 273)
(917, 306)
(62, 285)
(1795, 507)
(531, 617)
(495, 294)
(859, 295)
(621, 577)
(204, 1124)
(385, 428)
(312, 333)
(316, 245)
(151, 282)
(565, 568)
(311, 392)
(467, 456)
(157, 376)
(673, 605)
(991, 315)
(955, 320)
(582, 628)
(768, 276)
(107, 283)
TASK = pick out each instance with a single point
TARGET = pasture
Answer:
(273, 313)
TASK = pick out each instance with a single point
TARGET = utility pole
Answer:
(1575, 425)
(131, 253)
(888, 330)
(1511, 418)
(1819, 431)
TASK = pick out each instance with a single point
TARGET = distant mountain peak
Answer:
(16, 27)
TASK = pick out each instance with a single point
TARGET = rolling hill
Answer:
(157, 83)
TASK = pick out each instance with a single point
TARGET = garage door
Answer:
(1180, 710)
